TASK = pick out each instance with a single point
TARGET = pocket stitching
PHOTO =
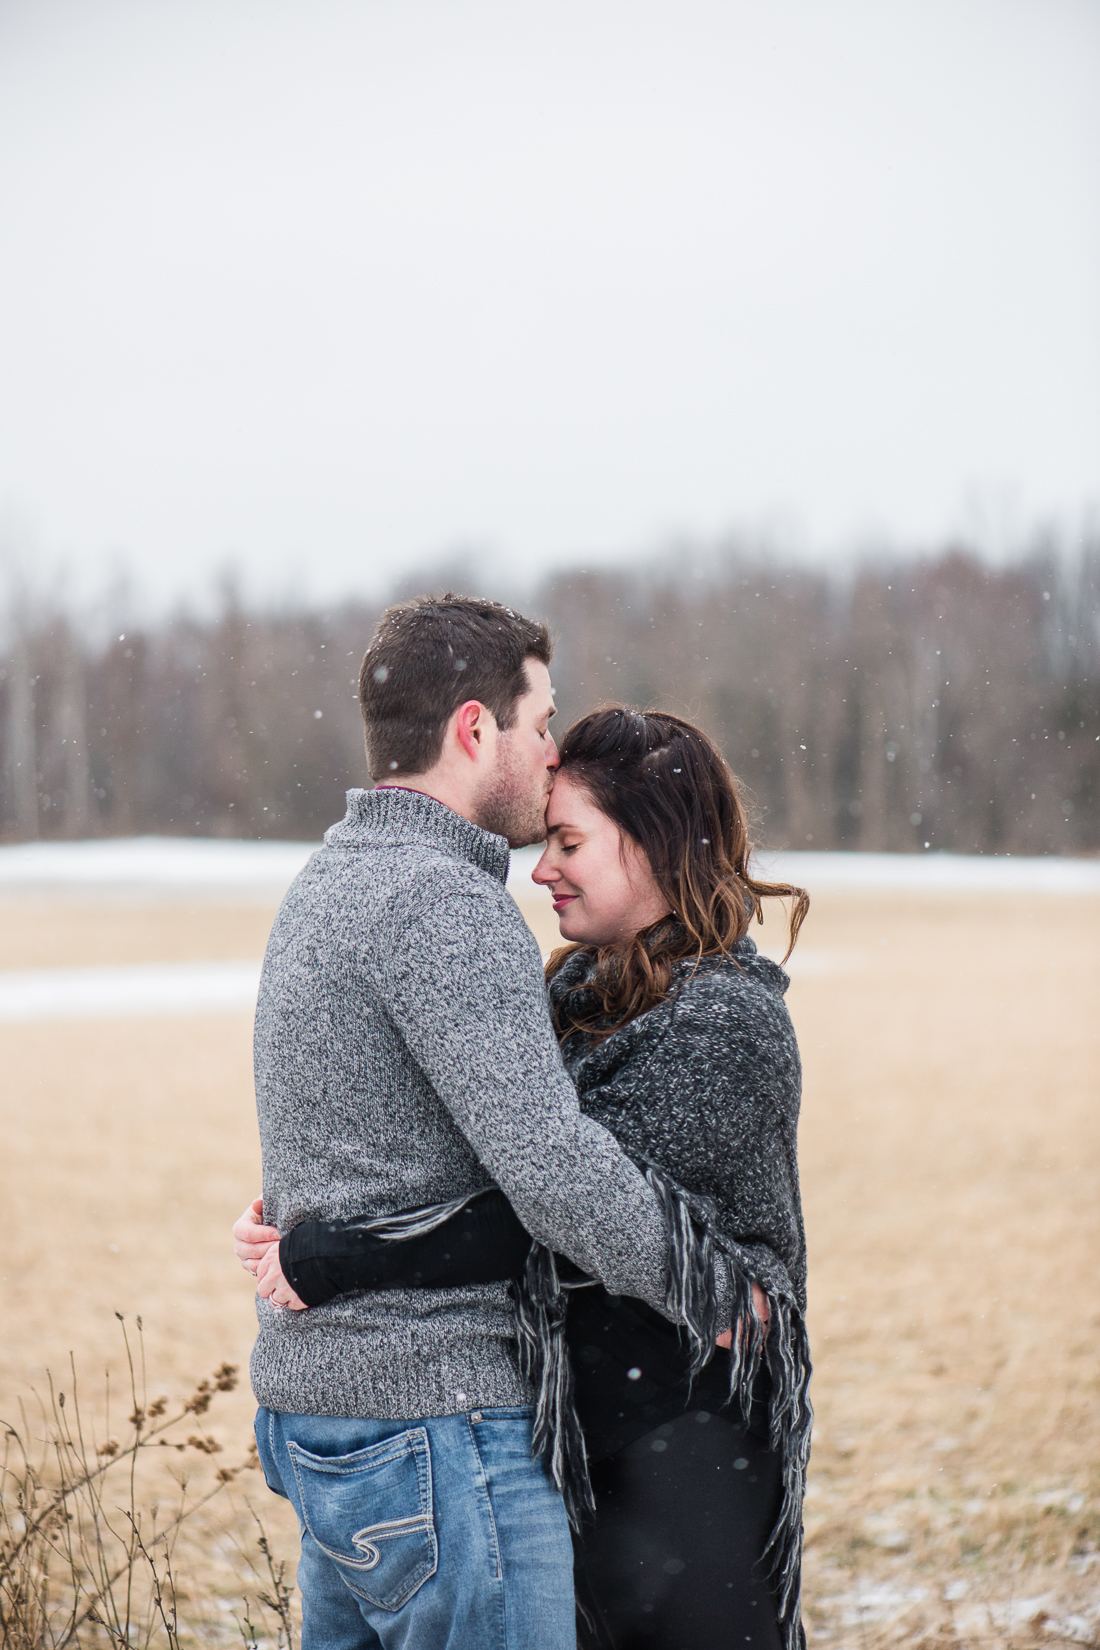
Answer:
(394, 1526)
(415, 1443)
(360, 1458)
(366, 1540)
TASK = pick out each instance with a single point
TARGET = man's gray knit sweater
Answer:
(405, 1056)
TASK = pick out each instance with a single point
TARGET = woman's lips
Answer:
(562, 900)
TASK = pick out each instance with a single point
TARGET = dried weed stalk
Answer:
(85, 1552)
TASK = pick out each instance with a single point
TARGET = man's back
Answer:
(349, 1122)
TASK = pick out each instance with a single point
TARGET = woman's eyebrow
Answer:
(552, 830)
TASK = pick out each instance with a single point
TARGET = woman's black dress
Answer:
(686, 1492)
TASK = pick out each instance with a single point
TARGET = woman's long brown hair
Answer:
(668, 787)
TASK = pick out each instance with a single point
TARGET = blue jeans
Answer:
(442, 1534)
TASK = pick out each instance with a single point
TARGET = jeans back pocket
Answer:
(371, 1513)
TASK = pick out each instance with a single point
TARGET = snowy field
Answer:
(169, 869)
(907, 873)
(105, 992)
(154, 864)
(167, 865)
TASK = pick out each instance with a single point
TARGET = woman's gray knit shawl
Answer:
(707, 1086)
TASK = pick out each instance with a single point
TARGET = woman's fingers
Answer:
(284, 1296)
(267, 1270)
(760, 1301)
(763, 1312)
(272, 1285)
(251, 1236)
(256, 1260)
(246, 1253)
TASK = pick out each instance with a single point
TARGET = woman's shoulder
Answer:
(739, 973)
(572, 971)
(716, 1002)
(732, 1000)
(729, 1034)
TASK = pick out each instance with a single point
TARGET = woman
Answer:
(683, 1471)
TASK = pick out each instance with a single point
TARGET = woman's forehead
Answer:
(570, 804)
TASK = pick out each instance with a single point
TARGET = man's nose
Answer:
(553, 760)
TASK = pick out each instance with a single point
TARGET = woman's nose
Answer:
(544, 872)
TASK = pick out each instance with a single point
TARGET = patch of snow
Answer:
(879, 1603)
(1081, 1629)
(186, 863)
(119, 993)
(913, 873)
(932, 873)
(983, 1618)
(154, 862)
(885, 1531)
(521, 863)
(1071, 1500)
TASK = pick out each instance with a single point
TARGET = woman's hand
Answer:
(763, 1312)
(251, 1238)
(272, 1286)
(256, 1246)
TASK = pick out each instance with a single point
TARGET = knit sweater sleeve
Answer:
(474, 1016)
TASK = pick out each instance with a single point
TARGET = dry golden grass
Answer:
(950, 1149)
(950, 1152)
(85, 933)
(129, 1148)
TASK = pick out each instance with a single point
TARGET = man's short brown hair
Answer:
(429, 656)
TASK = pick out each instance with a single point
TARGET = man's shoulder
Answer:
(399, 871)
(392, 886)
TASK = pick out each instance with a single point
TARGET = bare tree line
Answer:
(928, 702)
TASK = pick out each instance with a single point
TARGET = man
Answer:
(404, 1056)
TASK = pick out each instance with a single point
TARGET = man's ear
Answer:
(470, 726)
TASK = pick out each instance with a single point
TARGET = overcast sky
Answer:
(332, 288)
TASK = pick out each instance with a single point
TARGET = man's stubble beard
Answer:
(509, 806)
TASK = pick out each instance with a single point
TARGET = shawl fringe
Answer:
(412, 1223)
(557, 1437)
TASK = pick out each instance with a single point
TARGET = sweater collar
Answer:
(393, 818)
